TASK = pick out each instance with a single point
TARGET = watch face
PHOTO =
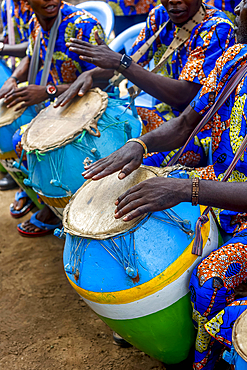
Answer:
(51, 89)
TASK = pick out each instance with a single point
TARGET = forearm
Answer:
(172, 134)
(21, 72)
(15, 50)
(176, 93)
(225, 195)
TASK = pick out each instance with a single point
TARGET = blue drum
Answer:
(60, 141)
(135, 275)
(10, 121)
(5, 72)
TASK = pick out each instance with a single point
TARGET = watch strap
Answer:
(125, 62)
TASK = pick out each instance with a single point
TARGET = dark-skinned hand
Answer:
(29, 95)
(9, 86)
(81, 85)
(100, 55)
(127, 159)
(151, 195)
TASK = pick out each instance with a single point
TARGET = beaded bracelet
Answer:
(195, 191)
(140, 142)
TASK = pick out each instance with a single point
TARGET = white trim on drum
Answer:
(161, 299)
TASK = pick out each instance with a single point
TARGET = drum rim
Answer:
(105, 236)
(158, 172)
(73, 134)
(16, 114)
(235, 341)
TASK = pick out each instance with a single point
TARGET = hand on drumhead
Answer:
(100, 55)
(81, 85)
(8, 87)
(28, 95)
(127, 159)
(152, 195)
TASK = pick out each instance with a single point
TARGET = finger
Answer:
(127, 169)
(77, 50)
(14, 102)
(89, 60)
(98, 39)
(130, 195)
(128, 216)
(94, 164)
(80, 42)
(23, 105)
(15, 94)
(136, 213)
(63, 99)
(100, 169)
(9, 93)
(84, 88)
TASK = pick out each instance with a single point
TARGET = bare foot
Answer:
(46, 216)
(18, 205)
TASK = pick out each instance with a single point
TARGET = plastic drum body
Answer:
(57, 149)
(135, 275)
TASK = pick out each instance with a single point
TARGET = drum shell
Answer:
(5, 72)
(7, 132)
(153, 314)
(69, 172)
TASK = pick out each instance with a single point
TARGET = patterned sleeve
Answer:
(213, 38)
(4, 18)
(84, 29)
(220, 326)
(225, 66)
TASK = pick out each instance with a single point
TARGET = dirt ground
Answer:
(44, 324)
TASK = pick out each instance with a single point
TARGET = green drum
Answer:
(135, 275)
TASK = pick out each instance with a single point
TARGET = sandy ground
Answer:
(44, 324)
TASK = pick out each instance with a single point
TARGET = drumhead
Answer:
(239, 335)
(8, 115)
(90, 212)
(55, 127)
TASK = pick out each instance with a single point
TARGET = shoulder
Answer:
(215, 17)
(233, 56)
(70, 12)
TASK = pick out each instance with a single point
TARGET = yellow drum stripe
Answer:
(8, 155)
(173, 272)
(55, 202)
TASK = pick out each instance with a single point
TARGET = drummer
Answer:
(178, 81)
(64, 69)
(21, 13)
(215, 278)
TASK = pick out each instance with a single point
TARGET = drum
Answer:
(61, 140)
(135, 275)
(10, 121)
(239, 341)
(5, 72)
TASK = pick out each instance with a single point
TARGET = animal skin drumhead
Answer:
(8, 115)
(55, 127)
(90, 212)
(239, 335)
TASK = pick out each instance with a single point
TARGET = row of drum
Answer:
(116, 267)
